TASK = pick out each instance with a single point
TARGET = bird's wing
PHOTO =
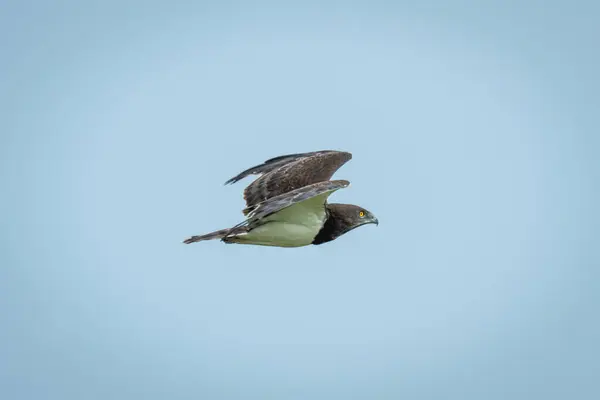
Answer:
(285, 200)
(271, 164)
(290, 172)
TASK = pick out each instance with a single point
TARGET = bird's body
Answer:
(293, 226)
(287, 206)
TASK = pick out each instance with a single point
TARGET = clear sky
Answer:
(475, 133)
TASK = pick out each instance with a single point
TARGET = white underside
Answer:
(294, 226)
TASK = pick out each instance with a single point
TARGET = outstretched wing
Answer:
(272, 164)
(285, 200)
(286, 173)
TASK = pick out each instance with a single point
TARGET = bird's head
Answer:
(349, 216)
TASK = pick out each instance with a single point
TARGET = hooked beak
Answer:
(375, 221)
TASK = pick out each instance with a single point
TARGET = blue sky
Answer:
(474, 129)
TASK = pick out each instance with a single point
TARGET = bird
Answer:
(286, 206)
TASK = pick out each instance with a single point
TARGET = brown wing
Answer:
(272, 164)
(286, 173)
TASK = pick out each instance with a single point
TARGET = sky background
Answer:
(475, 130)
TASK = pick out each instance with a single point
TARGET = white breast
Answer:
(294, 226)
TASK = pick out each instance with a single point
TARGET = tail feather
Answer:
(220, 234)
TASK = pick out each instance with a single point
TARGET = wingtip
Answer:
(191, 239)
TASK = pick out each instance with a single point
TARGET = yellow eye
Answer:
(361, 214)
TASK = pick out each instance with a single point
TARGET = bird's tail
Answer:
(220, 234)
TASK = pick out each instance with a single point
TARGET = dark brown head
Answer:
(342, 219)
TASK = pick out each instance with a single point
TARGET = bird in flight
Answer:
(287, 205)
